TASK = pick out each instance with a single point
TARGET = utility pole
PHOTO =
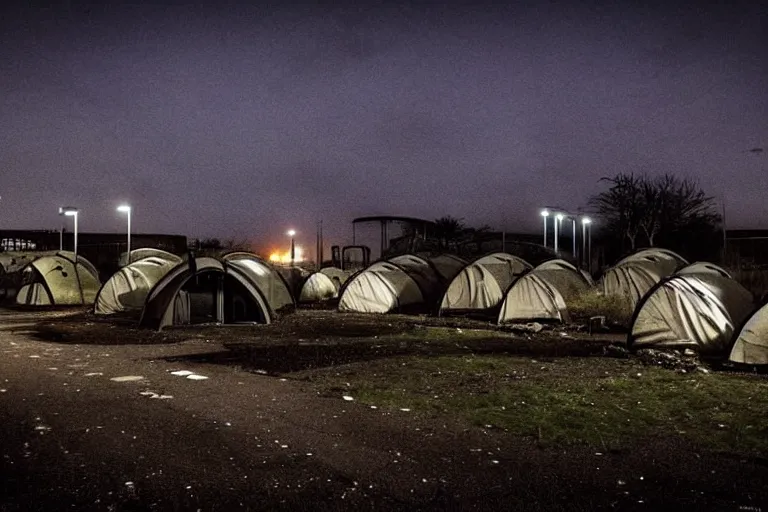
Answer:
(725, 237)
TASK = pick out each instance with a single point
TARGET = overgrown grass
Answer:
(617, 310)
(602, 402)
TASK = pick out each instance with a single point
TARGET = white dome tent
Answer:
(630, 281)
(317, 287)
(703, 267)
(146, 252)
(543, 293)
(402, 283)
(751, 341)
(323, 285)
(531, 297)
(698, 311)
(57, 281)
(271, 283)
(665, 260)
(634, 275)
(481, 284)
(128, 288)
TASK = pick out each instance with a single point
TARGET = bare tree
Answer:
(664, 209)
(656, 201)
(622, 206)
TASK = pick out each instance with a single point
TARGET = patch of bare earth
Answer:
(574, 423)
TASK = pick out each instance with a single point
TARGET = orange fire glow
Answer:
(285, 257)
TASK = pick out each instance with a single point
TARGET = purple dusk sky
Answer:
(240, 122)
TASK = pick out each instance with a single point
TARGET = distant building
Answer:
(101, 249)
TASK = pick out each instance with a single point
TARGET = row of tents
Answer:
(235, 287)
(497, 285)
(675, 304)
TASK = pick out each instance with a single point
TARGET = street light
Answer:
(545, 214)
(292, 234)
(70, 211)
(573, 250)
(127, 210)
(558, 220)
(586, 255)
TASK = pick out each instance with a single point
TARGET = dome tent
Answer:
(271, 283)
(481, 284)
(530, 298)
(543, 293)
(127, 289)
(317, 287)
(703, 267)
(322, 285)
(667, 262)
(446, 265)
(146, 252)
(205, 290)
(632, 276)
(337, 275)
(630, 281)
(402, 283)
(56, 280)
(750, 345)
(568, 280)
(690, 311)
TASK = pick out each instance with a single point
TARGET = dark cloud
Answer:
(239, 119)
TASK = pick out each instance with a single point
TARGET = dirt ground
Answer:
(270, 429)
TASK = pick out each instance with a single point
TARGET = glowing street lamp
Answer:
(545, 214)
(69, 211)
(127, 210)
(292, 234)
(558, 220)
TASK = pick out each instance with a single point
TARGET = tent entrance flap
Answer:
(213, 297)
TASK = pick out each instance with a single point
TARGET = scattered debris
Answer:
(613, 350)
(529, 327)
(671, 360)
(127, 378)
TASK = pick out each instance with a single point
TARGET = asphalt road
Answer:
(89, 427)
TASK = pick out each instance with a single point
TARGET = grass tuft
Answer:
(617, 310)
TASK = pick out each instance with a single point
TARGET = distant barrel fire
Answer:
(285, 257)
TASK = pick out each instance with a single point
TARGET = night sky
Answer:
(238, 121)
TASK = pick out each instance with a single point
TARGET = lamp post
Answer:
(70, 211)
(292, 234)
(127, 210)
(545, 214)
(585, 255)
(558, 219)
(573, 249)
